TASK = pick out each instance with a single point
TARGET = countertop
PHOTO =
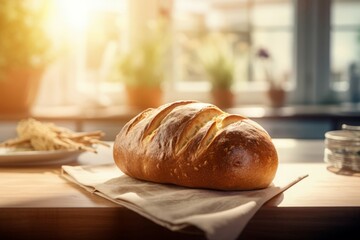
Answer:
(36, 202)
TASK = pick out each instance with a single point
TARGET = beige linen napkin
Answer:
(220, 214)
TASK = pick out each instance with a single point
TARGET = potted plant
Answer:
(24, 53)
(142, 69)
(276, 92)
(218, 61)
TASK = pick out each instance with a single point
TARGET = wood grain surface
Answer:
(37, 203)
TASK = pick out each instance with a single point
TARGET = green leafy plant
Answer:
(24, 43)
(218, 61)
(143, 65)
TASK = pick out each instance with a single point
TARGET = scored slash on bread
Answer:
(158, 117)
(199, 120)
(195, 144)
(217, 124)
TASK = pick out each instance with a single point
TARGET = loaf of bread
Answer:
(197, 145)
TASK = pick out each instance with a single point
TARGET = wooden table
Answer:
(36, 203)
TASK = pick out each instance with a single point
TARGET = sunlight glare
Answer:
(285, 143)
(75, 13)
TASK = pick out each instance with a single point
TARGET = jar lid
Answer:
(349, 133)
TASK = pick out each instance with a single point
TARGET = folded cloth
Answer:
(220, 214)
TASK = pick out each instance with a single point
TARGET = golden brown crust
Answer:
(196, 145)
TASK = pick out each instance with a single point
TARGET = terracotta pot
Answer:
(223, 98)
(18, 90)
(144, 97)
(276, 97)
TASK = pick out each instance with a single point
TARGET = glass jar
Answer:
(342, 148)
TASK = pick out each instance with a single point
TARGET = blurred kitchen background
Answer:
(291, 65)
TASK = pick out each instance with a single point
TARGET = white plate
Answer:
(11, 157)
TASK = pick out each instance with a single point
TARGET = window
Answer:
(345, 48)
(249, 26)
(314, 46)
(87, 36)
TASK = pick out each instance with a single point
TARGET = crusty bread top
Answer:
(196, 145)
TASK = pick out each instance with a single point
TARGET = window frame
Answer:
(312, 51)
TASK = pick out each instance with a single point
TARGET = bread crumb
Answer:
(196, 169)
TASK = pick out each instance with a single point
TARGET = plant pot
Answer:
(18, 90)
(276, 97)
(223, 98)
(144, 97)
